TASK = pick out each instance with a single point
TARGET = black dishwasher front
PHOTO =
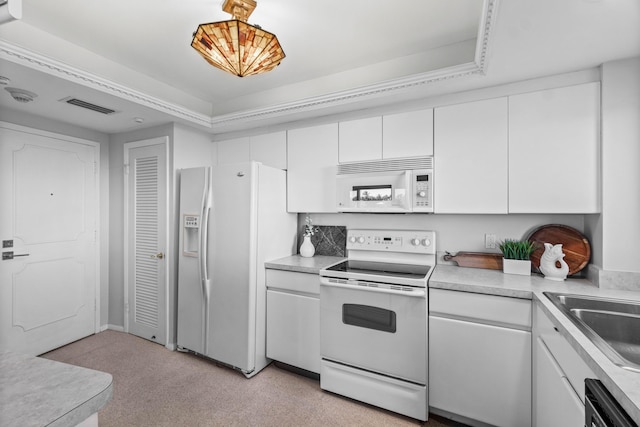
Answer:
(602, 409)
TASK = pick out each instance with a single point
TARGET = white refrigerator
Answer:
(233, 219)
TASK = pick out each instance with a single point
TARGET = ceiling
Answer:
(135, 57)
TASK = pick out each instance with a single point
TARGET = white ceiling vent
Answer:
(88, 105)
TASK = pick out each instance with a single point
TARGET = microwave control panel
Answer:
(423, 190)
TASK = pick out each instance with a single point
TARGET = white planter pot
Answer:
(307, 249)
(516, 266)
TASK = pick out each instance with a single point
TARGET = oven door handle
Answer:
(416, 293)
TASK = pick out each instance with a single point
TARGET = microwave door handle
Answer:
(416, 293)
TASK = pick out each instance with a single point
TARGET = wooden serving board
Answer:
(476, 260)
(575, 246)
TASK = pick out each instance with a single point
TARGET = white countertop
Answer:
(298, 263)
(42, 392)
(623, 384)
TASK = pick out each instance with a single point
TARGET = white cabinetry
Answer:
(392, 136)
(536, 152)
(407, 134)
(269, 149)
(293, 318)
(559, 374)
(470, 148)
(480, 357)
(312, 160)
(234, 150)
(554, 159)
(360, 140)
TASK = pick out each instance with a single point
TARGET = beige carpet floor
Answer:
(153, 386)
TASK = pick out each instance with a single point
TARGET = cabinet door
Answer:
(470, 157)
(270, 149)
(360, 140)
(311, 178)
(293, 330)
(480, 371)
(574, 369)
(555, 402)
(408, 134)
(234, 150)
(554, 160)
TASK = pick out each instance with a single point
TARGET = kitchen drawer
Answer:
(491, 309)
(572, 365)
(294, 281)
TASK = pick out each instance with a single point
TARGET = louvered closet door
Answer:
(146, 238)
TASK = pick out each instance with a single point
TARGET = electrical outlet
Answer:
(490, 241)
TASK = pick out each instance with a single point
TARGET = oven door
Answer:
(373, 328)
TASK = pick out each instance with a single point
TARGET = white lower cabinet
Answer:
(480, 358)
(293, 318)
(559, 373)
(556, 403)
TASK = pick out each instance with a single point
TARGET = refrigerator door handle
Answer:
(204, 270)
(204, 237)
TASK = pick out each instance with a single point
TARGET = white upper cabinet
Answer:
(311, 176)
(530, 153)
(388, 137)
(408, 134)
(269, 149)
(234, 150)
(470, 157)
(554, 147)
(360, 140)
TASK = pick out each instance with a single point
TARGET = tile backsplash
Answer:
(329, 240)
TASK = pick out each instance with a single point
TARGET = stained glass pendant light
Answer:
(235, 46)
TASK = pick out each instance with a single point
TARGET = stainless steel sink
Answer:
(612, 325)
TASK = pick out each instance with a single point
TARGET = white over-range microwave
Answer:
(386, 186)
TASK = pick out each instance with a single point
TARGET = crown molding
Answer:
(477, 67)
(344, 97)
(56, 68)
(489, 12)
(50, 66)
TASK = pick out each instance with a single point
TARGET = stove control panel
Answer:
(408, 241)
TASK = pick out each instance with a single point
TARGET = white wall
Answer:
(453, 232)
(42, 123)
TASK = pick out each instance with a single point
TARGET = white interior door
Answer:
(146, 239)
(49, 193)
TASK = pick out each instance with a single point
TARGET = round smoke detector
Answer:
(21, 95)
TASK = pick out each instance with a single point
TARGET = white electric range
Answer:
(373, 320)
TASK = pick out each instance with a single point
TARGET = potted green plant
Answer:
(517, 256)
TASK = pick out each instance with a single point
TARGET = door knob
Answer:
(159, 255)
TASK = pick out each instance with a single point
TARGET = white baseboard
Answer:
(113, 328)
